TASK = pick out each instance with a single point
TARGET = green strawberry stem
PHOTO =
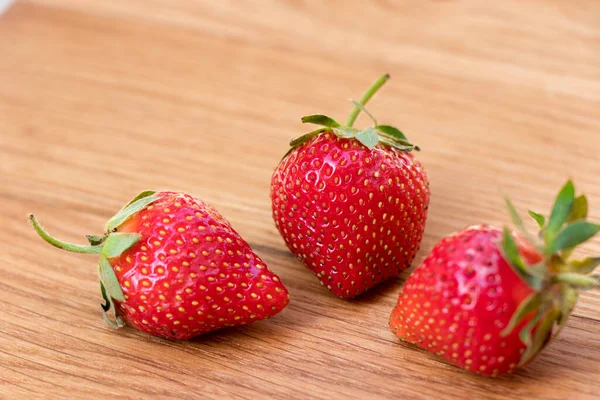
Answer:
(372, 90)
(75, 248)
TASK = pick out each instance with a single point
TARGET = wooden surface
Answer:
(101, 99)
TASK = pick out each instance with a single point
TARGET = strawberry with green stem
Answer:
(172, 266)
(488, 300)
(351, 203)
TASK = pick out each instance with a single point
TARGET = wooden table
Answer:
(101, 99)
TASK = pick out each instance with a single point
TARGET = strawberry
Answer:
(488, 300)
(174, 267)
(351, 204)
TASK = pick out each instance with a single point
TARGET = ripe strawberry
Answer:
(489, 303)
(351, 204)
(176, 268)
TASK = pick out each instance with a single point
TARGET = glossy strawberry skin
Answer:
(353, 216)
(191, 272)
(457, 302)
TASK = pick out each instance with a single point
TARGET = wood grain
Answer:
(101, 99)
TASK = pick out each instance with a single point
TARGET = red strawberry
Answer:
(488, 303)
(351, 204)
(176, 268)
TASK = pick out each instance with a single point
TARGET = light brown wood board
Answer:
(101, 99)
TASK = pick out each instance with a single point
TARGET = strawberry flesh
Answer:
(191, 272)
(354, 216)
(459, 299)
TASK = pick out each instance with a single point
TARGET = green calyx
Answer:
(109, 245)
(556, 280)
(369, 137)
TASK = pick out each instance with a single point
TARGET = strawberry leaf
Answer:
(568, 299)
(368, 137)
(539, 218)
(514, 215)
(362, 108)
(116, 243)
(525, 334)
(394, 138)
(572, 235)
(95, 240)
(141, 201)
(517, 220)
(400, 142)
(345, 132)
(145, 193)
(322, 120)
(306, 137)
(579, 210)
(396, 145)
(391, 131)
(118, 322)
(109, 279)
(511, 253)
(560, 211)
(527, 306)
(107, 305)
(578, 281)
(584, 266)
(541, 336)
(540, 269)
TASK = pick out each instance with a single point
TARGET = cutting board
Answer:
(102, 99)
